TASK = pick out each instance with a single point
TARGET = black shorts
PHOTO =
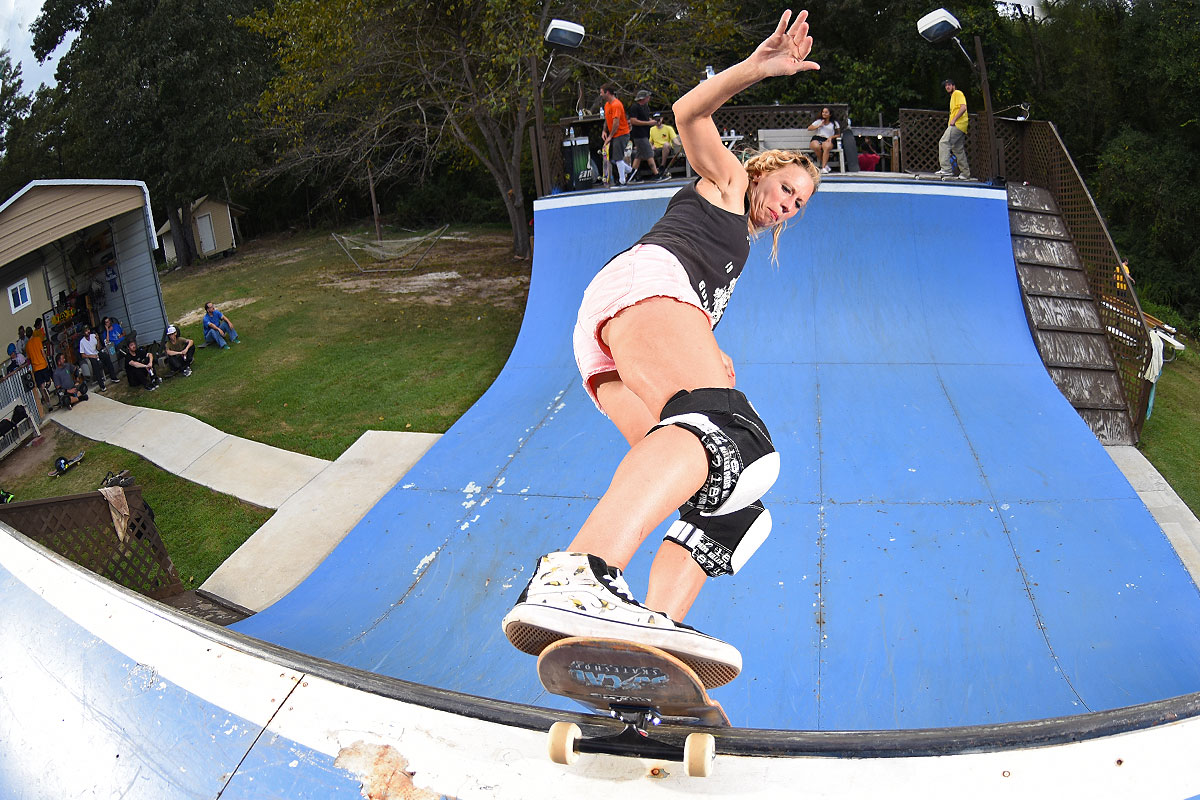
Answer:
(821, 139)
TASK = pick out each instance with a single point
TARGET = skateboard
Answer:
(637, 684)
(61, 465)
(933, 176)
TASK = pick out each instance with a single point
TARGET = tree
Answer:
(167, 109)
(13, 104)
(394, 83)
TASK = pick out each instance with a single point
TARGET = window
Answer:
(18, 295)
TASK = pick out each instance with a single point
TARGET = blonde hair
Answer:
(768, 161)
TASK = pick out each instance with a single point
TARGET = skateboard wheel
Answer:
(561, 742)
(699, 751)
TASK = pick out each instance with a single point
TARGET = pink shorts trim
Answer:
(641, 272)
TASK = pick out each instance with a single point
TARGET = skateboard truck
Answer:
(566, 742)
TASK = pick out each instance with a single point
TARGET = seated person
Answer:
(180, 351)
(827, 131)
(16, 359)
(139, 366)
(71, 387)
(217, 327)
(664, 140)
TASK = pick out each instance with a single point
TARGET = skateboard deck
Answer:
(933, 176)
(637, 684)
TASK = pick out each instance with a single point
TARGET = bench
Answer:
(797, 139)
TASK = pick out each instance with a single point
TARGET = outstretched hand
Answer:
(785, 51)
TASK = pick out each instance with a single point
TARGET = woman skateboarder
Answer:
(649, 360)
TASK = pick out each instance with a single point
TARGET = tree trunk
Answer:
(181, 233)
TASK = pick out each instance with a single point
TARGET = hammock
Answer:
(389, 250)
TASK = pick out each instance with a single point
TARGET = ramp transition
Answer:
(952, 546)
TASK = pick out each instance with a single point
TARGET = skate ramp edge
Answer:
(105, 693)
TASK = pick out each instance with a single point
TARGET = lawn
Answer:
(327, 353)
(1171, 437)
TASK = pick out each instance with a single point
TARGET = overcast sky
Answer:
(15, 18)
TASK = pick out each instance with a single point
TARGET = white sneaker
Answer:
(825, 168)
(576, 594)
(943, 173)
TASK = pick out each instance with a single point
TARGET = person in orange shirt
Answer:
(35, 351)
(616, 131)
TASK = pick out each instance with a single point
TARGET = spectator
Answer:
(89, 349)
(641, 123)
(616, 132)
(664, 140)
(35, 351)
(139, 366)
(827, 132)
(954, 140)
(15, 359)
(217, 327)
(180, 351)
(22, 339)
(71, 386)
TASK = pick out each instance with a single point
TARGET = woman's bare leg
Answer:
(675, 577)
(660, 346)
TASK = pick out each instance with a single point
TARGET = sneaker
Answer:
(664, 176)
(576, 594)
(825, 169)
(187, 372)
(100, 389)
(943, 173)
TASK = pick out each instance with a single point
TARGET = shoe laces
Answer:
(615, 581)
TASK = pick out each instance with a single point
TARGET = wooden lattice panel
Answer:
(80, 527)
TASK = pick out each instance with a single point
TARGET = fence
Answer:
(81, 527)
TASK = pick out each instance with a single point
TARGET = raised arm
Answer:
(784, 52)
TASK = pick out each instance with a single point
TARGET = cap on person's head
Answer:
(947, 82)
(171, 329)
(657, 115)
(12, 348)
(641, 95)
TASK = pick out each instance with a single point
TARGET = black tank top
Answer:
(710, 242)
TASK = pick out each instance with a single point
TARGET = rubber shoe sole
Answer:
(540, 626)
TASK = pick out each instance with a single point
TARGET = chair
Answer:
(796, 139)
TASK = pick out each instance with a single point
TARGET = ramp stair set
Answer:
(1063, 315)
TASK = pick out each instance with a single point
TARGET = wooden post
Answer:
(374, 205)
(996, 154)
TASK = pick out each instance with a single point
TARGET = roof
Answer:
(234, 210)
(45, 211)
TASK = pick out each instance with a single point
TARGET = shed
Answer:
(75, 251)
(214, 227)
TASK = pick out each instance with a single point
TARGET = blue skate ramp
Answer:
(952, 546)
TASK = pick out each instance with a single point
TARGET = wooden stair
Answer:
(1063, 315)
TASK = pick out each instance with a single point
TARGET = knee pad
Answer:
(742, 462)
(721, 545)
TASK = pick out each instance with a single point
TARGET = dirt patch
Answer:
(224, 305)
(440, 288)
(36, 454)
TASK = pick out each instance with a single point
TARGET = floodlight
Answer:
(562, 33)
(938, 26)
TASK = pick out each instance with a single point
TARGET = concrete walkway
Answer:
(317, 502)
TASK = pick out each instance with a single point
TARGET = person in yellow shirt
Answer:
(664, 140)
(954, 140)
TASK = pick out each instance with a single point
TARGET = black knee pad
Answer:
(742, 462)
(721, 545)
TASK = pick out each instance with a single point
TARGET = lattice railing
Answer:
(1046, 163)
(81, 527)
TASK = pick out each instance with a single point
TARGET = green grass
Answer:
(1171, 437)
(200, 527)
(328, 352)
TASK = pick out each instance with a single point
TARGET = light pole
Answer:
(559, 33)
(938, 26)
